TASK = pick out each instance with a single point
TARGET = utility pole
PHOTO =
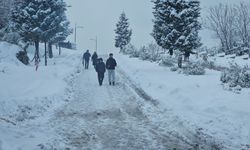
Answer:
(77, 27)
(95, 42)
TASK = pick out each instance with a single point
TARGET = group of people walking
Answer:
(101, 67)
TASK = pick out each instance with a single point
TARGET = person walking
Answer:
(86, 57)
(110, 65)
(100, 69)
(94, 59)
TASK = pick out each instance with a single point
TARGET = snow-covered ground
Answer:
(26, 94)
(62, 106)
(199, 100)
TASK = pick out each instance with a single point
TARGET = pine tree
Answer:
(55, 26)
(27, 18)
(41, 21)
(176, 24)
(123, 33)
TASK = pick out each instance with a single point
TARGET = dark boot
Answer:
(109, 83)
(113, 83)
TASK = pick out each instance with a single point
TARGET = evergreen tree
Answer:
(40, 21)
(27, 18)
(5, 7)
(123, 33)
(55, 26)
(176, 24)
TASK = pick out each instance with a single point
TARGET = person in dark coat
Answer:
(86, 57)
(94, 59)
(100, 69)
(110, 65)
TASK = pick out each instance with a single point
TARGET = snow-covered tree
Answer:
(221, 20)
(123, 33)
(5, 7)
(27, 19)
(176, 24)
(242, 23)
(55, 27)
(63, 31)
(40, 21)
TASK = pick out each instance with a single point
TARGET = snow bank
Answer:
(200, 100)
(8, 53)
(226, 61)
(26, 93)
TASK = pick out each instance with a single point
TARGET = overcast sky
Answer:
(98, 17)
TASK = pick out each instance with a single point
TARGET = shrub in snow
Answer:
(245, 78)
(194, 69)
(129, 49)
(168, 61)
(135, 54)
(12, 37)
(9, 36)
(155, 51)
(150, 52)
(174, 69)
(144, 53)
(208, 64)
(236, 76)
(23, 57)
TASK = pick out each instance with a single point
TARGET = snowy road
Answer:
(121, 117)
(115, 117)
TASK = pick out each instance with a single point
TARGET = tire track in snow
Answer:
(117, 117)
(195, 137)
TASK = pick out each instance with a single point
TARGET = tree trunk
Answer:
(45, 53)
(180, 61)
(50, 50)
(37, 57)
(171, 52)
(60, 51)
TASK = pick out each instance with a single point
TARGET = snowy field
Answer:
(199, 100)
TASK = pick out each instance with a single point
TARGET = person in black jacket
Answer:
(110, 65)
(94, 59)
(86, 57)
(100, 69)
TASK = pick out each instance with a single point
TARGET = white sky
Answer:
(98, 17)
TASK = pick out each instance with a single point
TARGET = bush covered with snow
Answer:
(168, 61)
(131, 50)
(236, 76)
(144, 53)
(194, 69)
(151, 52)
(10, 37)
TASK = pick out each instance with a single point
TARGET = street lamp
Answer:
(77, 27)
(95, 42)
